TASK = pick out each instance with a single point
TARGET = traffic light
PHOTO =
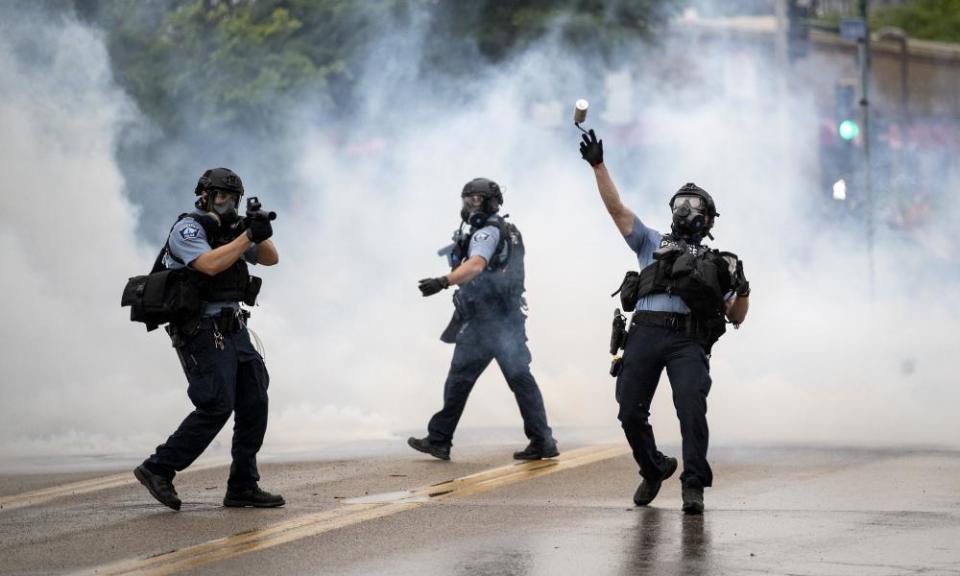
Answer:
(845, 111)
(840, 148)
(848, 129)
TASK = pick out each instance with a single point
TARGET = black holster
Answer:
(449, 335)
(618, 333)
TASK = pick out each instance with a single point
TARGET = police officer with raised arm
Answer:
(486, 262)
(225, 372)
(681, 297)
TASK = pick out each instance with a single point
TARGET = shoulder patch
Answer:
(481, 236)
(189, 231)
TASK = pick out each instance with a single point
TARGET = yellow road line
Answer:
(352, 514)
(76, 488)
(47, 494)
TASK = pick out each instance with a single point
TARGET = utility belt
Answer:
(705, 330)
(228, 321)
(492, 307)
(684, 323)
(467, 310)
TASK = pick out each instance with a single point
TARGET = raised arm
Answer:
(592, 151)
(622, 216)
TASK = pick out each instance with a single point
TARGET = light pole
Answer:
(865, 111)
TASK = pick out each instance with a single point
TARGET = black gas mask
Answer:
(224, 205)
(481, 200)
(224, 185)
(693, 213)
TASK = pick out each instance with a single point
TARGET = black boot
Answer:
(251, 497)
(160, 487)
(648, 488)
(536, 451)
(692, 500)
(441, 451)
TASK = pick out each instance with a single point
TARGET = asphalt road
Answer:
(772, 511)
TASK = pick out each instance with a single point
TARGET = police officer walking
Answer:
(488, 323)
(225, 372)
(681, 295)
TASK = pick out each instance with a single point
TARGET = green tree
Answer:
(924, 19)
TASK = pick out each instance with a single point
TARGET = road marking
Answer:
(352, 514)
(47, 494)
(76, 488)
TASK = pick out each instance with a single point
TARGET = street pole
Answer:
(780, 40)
(865, 111)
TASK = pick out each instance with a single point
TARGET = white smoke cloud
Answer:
(351, 345)
(820, 360)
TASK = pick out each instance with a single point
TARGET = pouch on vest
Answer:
(629, 291)
(684, 265)
(253, 289)
(161, 297)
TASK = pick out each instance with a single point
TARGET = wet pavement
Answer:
(772, 511)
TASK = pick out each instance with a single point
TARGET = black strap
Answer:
(158, 263)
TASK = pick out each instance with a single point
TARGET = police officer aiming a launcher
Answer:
(225, 372)
(488, 322)
(681, 295)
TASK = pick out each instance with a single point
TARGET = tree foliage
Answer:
(923, 19)
(228, 63)
(209, 64)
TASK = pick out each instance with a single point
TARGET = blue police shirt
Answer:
(187, 241)
(484, 242)
(644, 241)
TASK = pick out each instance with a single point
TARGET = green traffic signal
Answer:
(848, 129)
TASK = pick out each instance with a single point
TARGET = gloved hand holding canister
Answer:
(592, 149)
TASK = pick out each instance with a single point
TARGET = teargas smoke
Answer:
(354, 350)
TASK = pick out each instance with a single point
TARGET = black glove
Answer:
(259, 229)
(591, 149)
(740, 281)
(430, 286)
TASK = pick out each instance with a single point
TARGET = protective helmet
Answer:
(223, 179)
(217, 180)
(694, 211)
(476, 216)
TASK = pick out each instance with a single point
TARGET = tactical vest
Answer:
(235, 284)
(697, 274)
(499, 289)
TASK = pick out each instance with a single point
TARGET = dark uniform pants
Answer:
(480, 341)
(233, 379)
(648, 350)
